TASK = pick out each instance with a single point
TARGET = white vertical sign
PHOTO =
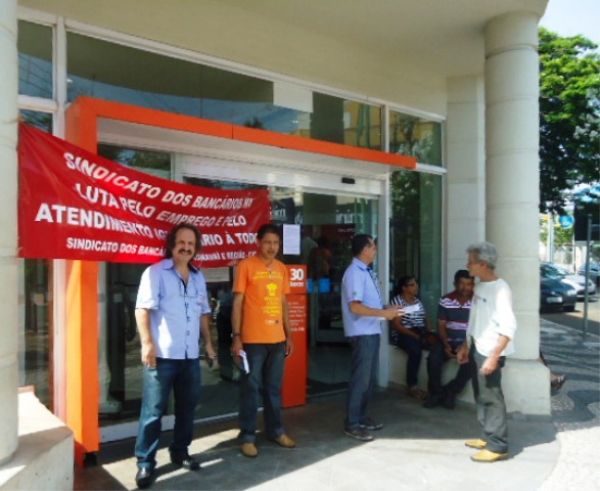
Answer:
(291, 240)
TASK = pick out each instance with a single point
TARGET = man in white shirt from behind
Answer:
(492, 327)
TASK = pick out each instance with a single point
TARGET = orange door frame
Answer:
(82, 382)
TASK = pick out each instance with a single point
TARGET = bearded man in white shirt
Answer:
(492, 327)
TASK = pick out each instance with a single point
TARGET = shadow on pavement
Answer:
(412, 436)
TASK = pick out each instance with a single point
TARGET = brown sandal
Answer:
(557, 381)
(416, 393)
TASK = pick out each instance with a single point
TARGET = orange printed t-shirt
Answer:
(264, 289)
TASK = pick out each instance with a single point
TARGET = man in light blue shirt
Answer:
(362, 312)
(171, 311)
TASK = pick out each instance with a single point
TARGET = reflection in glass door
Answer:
(328, 220)
(328, 224)
(120, 366)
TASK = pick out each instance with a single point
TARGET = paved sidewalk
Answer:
(576, 408)
(417, 450)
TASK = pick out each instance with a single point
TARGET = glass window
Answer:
(416, 234)
(417, 137)
(149, 161)
(111, 71)
(35, 60)
(36, 338)
(42, 121)
(35, 341)
(343, 121)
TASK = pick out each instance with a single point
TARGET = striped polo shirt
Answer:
(456, 315)
(414, 320)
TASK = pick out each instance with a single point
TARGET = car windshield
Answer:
(550, 271)
(561, 271)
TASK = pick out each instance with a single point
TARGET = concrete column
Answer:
(465, 152)
(8, 226)
(512, 192)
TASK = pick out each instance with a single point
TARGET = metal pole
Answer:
(573, 261)
(551, 237)
(548, 237)
(587, 274)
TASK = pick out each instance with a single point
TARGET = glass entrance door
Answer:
(328, 214)
(328, 221)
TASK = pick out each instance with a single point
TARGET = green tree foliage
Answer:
(562, 236)
(569, 116)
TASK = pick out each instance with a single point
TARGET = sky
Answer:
(571, 17)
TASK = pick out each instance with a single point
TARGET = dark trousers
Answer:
(183, 376)
(266, 362)
(435, 362)
(363, 377)
(414, 350)
(491, 409)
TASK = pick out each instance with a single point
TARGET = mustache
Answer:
(185, 251)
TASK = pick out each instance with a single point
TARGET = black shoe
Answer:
(359, 433)
(143, 478)
(370, 425)
(186, 462)
(449, 400)
(431, 401)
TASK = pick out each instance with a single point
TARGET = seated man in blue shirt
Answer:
(171, 310)
(362, 312)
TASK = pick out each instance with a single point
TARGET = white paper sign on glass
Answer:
(291, 240)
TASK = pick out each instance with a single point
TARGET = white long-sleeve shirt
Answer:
(492, 316)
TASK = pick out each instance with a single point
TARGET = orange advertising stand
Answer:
(296, 365)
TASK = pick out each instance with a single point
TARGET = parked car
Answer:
(577, 281)
(555, 294)
(594, 272)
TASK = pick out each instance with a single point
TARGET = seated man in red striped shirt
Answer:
(453, 320)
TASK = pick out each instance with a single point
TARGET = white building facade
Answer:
(456, 88)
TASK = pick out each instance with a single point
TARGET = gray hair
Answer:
(486, 252)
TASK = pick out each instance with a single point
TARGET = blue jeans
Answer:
(435, 362)
(183, 376)
(363, 377)
(266, 362)
(414, 350)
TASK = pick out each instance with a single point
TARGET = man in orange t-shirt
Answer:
(261, 330)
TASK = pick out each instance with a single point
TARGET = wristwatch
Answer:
(234, 334)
